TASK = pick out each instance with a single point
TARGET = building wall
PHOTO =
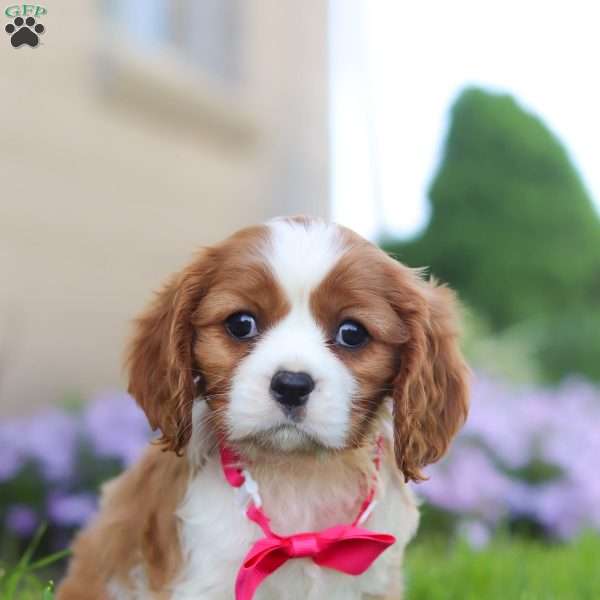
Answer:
(118, 161)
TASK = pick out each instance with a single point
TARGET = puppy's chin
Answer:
(286, 438)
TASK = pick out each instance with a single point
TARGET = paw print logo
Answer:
(24, 31)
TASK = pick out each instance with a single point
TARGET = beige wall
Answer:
(117, 163)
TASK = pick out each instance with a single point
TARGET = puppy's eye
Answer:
(351, 334)
(241, 326)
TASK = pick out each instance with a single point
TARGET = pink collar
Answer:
(346, 548)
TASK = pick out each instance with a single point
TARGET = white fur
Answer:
(301, 256)
(137, 589)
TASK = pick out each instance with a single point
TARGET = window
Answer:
(204, 33)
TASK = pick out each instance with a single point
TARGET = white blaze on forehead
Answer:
(301, 255)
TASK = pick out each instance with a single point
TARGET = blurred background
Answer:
(461, 136)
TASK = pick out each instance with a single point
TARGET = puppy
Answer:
(300, 378)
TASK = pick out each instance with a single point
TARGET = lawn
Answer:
(505, 570)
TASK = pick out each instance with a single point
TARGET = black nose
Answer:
(291, 389)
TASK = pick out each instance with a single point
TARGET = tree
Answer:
(512, 226)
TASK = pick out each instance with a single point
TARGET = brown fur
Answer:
(137, 525)
(431, 391)
(185, 319)
(413, 353)
(243, 283)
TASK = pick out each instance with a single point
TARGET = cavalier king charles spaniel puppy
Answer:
(300, 378)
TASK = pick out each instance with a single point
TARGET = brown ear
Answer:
(160, 357)
(431, 390)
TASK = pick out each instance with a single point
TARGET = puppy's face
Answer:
(294, 333)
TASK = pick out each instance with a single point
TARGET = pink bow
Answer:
(345, 548)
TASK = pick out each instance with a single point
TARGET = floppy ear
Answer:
(431, 391)
(160, 357)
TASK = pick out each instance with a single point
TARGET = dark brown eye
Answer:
(351, 334)
(241, 326)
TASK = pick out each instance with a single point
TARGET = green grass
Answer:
(21, 582)
(508, 569)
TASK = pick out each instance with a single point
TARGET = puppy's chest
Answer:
(216, 535)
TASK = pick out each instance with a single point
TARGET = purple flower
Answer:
(468, 483)
(50, 439)
(11, 449)
(116, 427)
(475, 532)
(507, 420)
(21, 520)
(71, 510)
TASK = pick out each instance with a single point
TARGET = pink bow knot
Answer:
(303, 545)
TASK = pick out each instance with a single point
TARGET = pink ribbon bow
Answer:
(346, 548)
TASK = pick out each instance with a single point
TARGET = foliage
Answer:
(507, 356)
(54, 462)
(515, 569)
(512, 227)
(569, 344)
(20, 582)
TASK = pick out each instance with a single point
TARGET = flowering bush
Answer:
(526, 455)
(53, 463)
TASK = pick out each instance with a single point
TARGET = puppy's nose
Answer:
(291, 389)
